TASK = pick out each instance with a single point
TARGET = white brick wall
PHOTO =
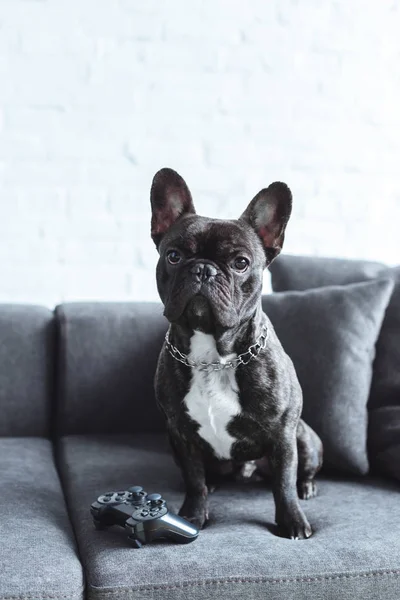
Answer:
(96, 95)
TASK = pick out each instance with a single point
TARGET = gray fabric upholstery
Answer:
(108, 357)
(26, 369)
(330, 334)
(301, 273)
(290, 272)
(354, 553)
(385, 389)
(384, 402)
(38, 556)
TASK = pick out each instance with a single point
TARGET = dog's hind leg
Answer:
(310, 453)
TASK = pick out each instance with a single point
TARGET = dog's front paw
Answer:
(307, 489)
(195, 510)
(294, 525)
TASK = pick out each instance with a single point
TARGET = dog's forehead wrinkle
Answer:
(203, 236)
(224, 238)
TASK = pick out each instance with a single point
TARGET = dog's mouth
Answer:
(200, 312)
(195, 310)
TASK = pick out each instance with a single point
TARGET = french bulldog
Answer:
(227, 389)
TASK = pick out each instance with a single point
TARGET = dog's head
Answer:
(209, 274)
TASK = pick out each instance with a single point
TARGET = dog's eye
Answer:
(173, 257)
(241, 263)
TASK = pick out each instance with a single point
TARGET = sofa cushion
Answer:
(38, 555)
(26, 369)
(353, 554)
(384, 401)
(291, 272)
(108, 358)
(300, 273)
(330, 335)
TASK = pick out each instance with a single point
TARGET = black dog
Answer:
(229, 392)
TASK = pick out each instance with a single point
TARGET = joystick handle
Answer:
(154, 498)
(138, 495)
(135, 489)
(168, 526)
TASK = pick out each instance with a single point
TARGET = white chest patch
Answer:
(213, 398)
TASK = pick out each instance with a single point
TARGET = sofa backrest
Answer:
(27, 352)
(106, 365)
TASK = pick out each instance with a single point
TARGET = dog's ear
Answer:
(268, 214)
(170, 199)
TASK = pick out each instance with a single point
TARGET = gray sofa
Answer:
(78, 417)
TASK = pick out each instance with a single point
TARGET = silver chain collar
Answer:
(241, 359)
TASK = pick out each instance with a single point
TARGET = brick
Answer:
(36, 79)
(41, 172)
(35, 120)
(143, 152)
(86, 201)
(89, 227)
(97, 252)
(29, 253)
(42, 203)
(132, 203)
(198, 23)
(181, 56)
(33, 284)
(89, 283)
(142, 284)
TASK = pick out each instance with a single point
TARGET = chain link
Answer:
(241, 359)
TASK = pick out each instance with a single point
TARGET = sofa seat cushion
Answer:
(38, 555)
(354, 553)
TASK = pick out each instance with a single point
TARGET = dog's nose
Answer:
(203, 271)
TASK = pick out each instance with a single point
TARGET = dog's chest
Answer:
(213, 397)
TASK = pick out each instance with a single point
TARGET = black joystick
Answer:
(138, 495)
(145, 517)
